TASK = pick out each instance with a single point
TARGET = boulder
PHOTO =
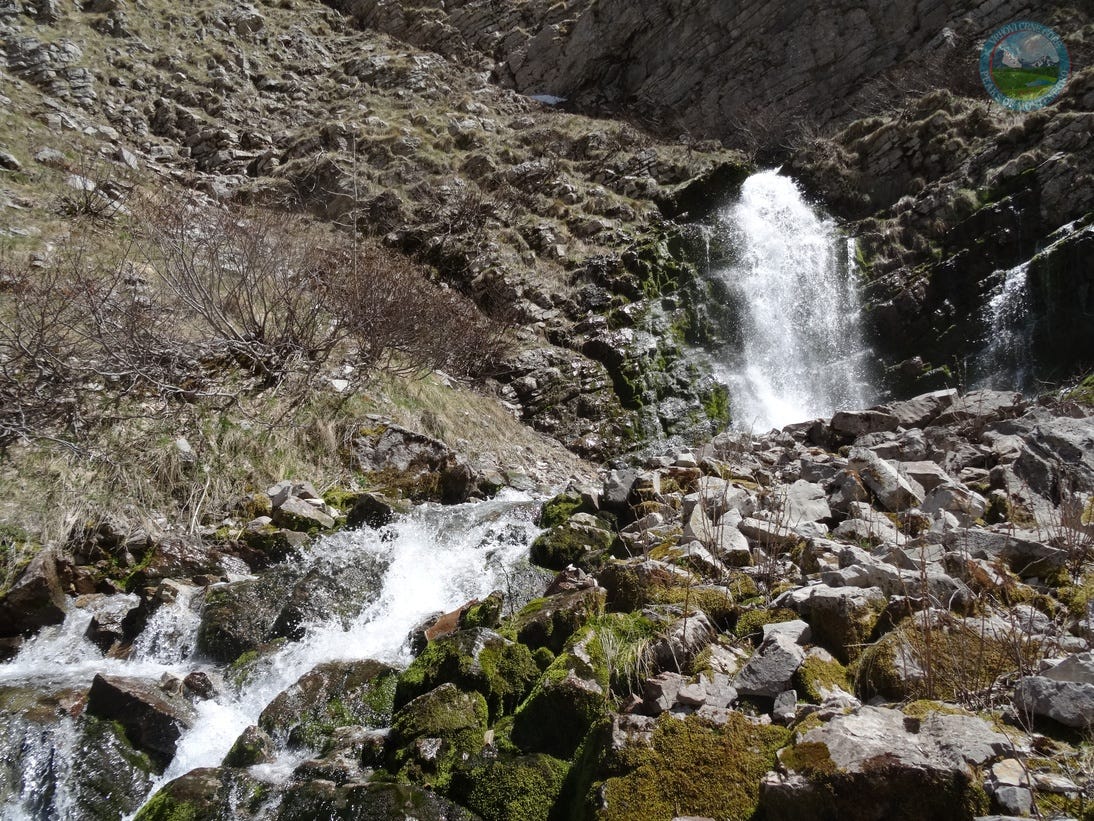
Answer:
(922, 410)
(153, 719)
(853, 424)
(805, 502)
(434, 732)
(480, 660)
(35, 600)
(1063, 693)
(295, 513)
(957, 499)
(842, 618)
(240, 616)
(549, 622)
(982, 407)
(894, 491)
(334, 694)
(582, 540)
(876, 763)
(771, 668)
(570, 697)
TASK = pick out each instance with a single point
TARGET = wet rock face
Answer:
(153, 718)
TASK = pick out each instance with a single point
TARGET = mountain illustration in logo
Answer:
(1024, 65)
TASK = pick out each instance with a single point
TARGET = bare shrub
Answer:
(208, 303)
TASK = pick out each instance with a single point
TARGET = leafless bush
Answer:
(204, 296)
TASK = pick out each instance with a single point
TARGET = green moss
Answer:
(1083, 392)
(456, 720)
(716, 602)
(569, 698)
(486, 613)
(815, 677)
(949, 662)
(1077, 597)
(692, 768)
(475, 660)
(557, 510)
(716, 406)
(921, 708)
(525, 788)
(165, 807)
(810, 758)
(750, 624)
(579, 544)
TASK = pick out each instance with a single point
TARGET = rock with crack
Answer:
(1063, 693)
(771, 668)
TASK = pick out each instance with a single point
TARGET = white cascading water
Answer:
(801, 353)
(1005, 362)
(434, 559)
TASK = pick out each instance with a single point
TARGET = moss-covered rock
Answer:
(479, 660)
(818, 677)
(375, 801)
(942, 659)
(254, 746)
(207, 794)
(521, 788)
(486, 613)
(239, 617)
(582, 540)
(751, 623)
(569, 698)
(557, 510)
(333, 695)
(690, 767)
(110, 777)
(550, 621)
(434, 732)
(632, 584)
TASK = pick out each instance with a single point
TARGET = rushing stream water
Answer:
(801, 353)
(434, 559)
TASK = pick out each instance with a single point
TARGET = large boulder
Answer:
(1063, 693)
(877, 763)
(35, 600)
(153, 718)
(333, 695)
(771, 669)
(435, 732)
(894, 490)
(479, 660)
(842, 618)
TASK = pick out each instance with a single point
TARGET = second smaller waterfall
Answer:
(799, 352)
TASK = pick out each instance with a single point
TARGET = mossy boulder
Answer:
(876, 763)
(550, 621)
(520, 788)
(240, 617)
(570, 697)
(820, 676)
(375, 801)
(268, 545)
(434, 732)
(110, 777)
(751, 623)
(690, 767)
(479, 660)
(254, 746)
(485, 613)
(583, 540)
(937, 657)
(842, 618)
(634, 583)
(206, 794)
(557, 510)
(335, 694)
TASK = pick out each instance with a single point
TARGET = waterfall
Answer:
(799, 352)
(433, 559)
(1005, 361)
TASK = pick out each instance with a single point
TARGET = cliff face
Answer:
(877, 107)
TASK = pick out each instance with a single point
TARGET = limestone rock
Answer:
(895, 491)
(771, 668)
